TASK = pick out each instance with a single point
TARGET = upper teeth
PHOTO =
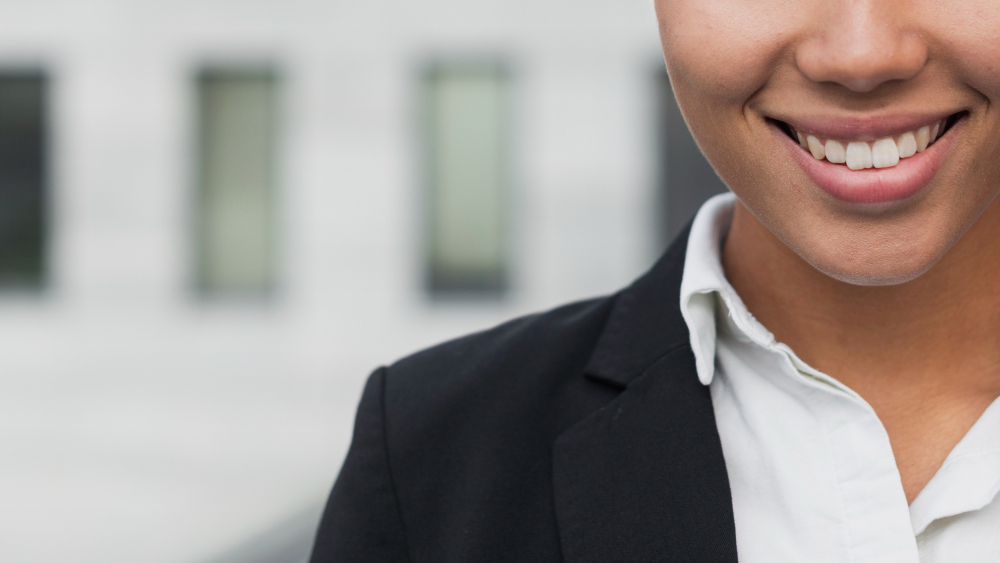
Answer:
(882, 153)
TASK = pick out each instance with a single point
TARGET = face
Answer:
(864, 134)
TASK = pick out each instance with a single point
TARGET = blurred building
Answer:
(217, 217)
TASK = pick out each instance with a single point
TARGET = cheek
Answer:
(967, 42)
(719, 54)
(721, 51)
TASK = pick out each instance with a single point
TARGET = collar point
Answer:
(705, 372)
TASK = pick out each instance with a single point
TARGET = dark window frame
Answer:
(205, 288)
(476, 286)
(25, 268)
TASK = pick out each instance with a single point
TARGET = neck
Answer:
(919, 330)
(924, 354)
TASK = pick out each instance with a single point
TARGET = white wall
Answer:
(141, 423)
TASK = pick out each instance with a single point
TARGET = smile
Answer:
(883, 153)
(870, 161)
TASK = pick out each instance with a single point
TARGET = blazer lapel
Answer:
(644, 479)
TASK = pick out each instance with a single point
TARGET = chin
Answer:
(878, 276)
(874, 264)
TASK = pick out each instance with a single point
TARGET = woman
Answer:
(810, 373)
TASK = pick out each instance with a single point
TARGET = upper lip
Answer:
(870, 127)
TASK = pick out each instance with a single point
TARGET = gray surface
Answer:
(289, 541)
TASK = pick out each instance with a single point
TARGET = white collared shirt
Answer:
(812, 472)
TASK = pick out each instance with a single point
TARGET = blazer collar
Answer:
(645, 321)
(644, 478)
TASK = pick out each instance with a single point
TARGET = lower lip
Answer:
(873, 185)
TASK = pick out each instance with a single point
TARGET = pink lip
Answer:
(873, 185)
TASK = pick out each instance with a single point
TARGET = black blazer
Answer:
(580, 435)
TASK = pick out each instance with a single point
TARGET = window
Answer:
(236, 184)
(467, 173)
(22, 180)
(686, 178)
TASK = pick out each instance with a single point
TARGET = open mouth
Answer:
(885, 152)
(876, 160)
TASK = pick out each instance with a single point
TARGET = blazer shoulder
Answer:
(471, 423)
(564, 335)
(524, 353)
(519, 372)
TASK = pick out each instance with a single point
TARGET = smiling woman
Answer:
(810, 372)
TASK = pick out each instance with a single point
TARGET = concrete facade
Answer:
(141, 422)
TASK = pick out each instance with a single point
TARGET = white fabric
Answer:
(812, 473)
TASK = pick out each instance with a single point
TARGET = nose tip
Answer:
(861, 50)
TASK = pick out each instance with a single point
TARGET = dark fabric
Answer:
(642, 480)
(578, 435)
(361, 521)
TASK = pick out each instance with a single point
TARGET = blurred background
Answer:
(217, 217)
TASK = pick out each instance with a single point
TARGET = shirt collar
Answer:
(705, 291)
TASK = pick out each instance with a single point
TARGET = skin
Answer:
(898, 301)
